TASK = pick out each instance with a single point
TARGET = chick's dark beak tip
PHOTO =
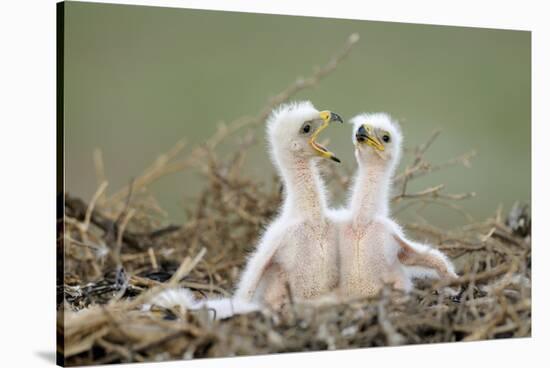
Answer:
(336, 117)
(334, 158)
(361, 134)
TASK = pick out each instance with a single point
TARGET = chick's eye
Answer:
(386, 138)
(306, 128)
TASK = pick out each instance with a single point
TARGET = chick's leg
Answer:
(275, 290)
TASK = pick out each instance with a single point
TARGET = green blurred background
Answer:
(137, 79)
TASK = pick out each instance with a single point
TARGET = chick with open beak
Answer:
(296, 254)
(296, 258)
(326, 118)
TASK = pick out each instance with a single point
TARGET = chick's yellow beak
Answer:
(327, 117)
(365, 134)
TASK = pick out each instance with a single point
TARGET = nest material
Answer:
(116, 252)
(112, 268)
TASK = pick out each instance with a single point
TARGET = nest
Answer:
(116, 252)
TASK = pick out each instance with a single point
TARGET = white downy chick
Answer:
(298, 250)
(299, 246)
(373, 248)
